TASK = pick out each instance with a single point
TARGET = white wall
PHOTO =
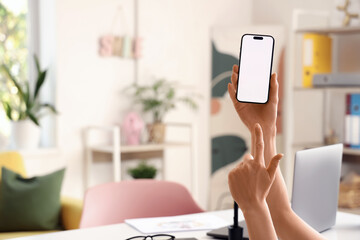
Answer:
(177, 47)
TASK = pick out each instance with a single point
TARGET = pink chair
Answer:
(112, 203)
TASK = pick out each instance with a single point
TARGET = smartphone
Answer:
(255, 63)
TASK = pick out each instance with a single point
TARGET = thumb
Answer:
(274, 162)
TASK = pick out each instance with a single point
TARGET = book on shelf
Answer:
(352, 120)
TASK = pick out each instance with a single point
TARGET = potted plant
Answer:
(159, 98)
(24, 109)
(143, 170)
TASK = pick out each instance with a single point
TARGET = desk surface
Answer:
(347, 228)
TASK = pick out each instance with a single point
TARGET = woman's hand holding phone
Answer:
(264, 114)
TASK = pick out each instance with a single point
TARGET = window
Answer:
(27, 27)
(13, 50)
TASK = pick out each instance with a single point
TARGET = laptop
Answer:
(316, 185)
(315, 188)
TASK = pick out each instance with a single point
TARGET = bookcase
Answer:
(311, 113)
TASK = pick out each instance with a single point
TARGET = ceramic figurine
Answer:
(132, 127)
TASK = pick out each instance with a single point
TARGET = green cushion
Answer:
(29, 204)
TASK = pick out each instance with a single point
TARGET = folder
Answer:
(316, 56)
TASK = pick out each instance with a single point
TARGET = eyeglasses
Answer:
(153, 237)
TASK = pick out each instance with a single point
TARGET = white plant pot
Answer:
(24, 135)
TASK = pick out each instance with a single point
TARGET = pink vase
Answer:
(132, 127)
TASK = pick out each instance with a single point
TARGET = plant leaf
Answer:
(17, 85)
(150, 104)
(170, 94)
(8, 110)
(39, 83)
(49, 106)
(37, 64)
(32, 117)
(190, 102)
(158, 84)
(27, 95)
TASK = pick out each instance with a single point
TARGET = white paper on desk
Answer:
(190, 222)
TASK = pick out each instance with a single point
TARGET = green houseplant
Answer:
(158, 99)
(143, 170)
(24, 108)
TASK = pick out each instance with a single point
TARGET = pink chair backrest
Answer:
(112, 203)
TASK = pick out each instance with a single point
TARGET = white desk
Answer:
(347, 228)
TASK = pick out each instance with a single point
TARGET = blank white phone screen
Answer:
(255, 68)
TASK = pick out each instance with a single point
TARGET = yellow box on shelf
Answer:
(316, 56)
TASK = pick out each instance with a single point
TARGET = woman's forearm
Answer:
(277, 199)
(259, 224)
(287, 224)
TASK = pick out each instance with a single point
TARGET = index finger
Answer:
(259, 145)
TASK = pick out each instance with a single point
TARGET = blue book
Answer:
(355, 120)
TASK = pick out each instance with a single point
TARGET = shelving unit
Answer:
(350, 210)
(121, 152)
(292, 88)
(330, 30)
(352, 151)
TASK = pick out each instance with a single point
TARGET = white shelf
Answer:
(334, 89)
(308, 145)
(139, 148)
(352, 151)
(350, 210)
(38, 152)
(331, 30)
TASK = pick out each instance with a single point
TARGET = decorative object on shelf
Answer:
(119, 45)
(349, 192)
(159, 98)
(24, 109)
(316, 56)
(143, 170)
(331, 137)
(132, 127)
(348, 16)
(156, 132)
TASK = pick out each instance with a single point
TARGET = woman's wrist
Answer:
(270, 132)
(259, 222)
(254, 209)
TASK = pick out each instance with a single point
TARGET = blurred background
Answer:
(127, 85)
